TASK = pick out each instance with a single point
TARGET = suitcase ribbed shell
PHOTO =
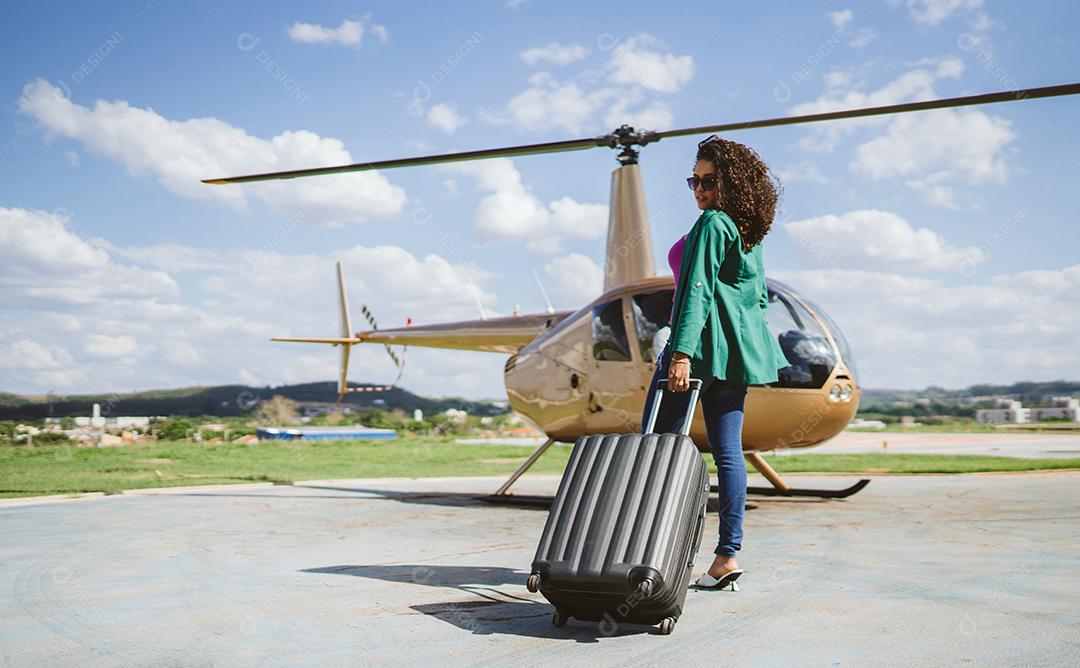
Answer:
(629, 506)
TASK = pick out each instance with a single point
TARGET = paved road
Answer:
(927, 570)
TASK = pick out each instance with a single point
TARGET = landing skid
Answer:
(818, 493)
(518, 500)
(781, 488)
(779, 485)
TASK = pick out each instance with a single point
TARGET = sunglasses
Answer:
(707, 183)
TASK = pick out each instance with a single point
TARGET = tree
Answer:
(277, 410)
(173, 429)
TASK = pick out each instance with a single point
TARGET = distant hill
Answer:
(1028, 392)
(233, 400)
(962, 403)
(229, 400)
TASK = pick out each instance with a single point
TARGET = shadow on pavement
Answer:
(491, 610)
(432, 576)
(432, 498)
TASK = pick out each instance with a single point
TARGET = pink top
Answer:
(674, 260)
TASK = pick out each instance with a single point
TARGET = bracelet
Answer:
(685, 360)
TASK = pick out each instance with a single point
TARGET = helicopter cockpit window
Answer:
(838, 336)
(609, 333)
(810, 357)
(652, 311)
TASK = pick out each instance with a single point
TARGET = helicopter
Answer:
(587, 371)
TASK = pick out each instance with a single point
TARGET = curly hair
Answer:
(749, 192)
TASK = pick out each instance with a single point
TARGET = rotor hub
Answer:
(627, 138)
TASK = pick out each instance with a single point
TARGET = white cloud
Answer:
(805, 170)
(550, 103)
(950, 68)
(513, 213)
(175, 258)
(836, 79)
(870, 238)
(642, 72)
(39, 242)
(445, 117)
(862, 38)
(912, 332)
(380, 31)
(913, 85)
(932, 151)
(575, 278)
(85, 316)
(982, 23)
(654, 116)
(935, 149)
(349, 32)
(840, 18)
(933, 12)
(663, 72)
(51, 365)
(555, 54)
(120, 347)
(180, 153)
(43, 259)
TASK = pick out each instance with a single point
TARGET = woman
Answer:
(718, 328)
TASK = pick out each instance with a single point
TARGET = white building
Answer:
(866, 424)
(1060, 407)
(1005, 411)
(455, 415)
(1010, 411)
(97, 421)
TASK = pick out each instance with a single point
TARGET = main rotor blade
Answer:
(986, 98)
(612, 141)
(527, 149)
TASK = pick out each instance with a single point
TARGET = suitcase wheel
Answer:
(533, 584)
(558, 620)
(667, 626)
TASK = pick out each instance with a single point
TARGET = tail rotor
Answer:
(348, 339)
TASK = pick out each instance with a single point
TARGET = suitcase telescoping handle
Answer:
(661, 385)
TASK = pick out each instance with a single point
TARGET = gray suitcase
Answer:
(622, 532)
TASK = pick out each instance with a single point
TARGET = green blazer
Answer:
(720, 303)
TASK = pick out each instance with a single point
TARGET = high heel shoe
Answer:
(707, 581)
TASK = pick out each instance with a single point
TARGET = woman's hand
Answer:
(679, 372)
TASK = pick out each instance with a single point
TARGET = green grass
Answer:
(72, 470)
(68, 469)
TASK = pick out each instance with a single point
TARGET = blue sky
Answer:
(943, 243)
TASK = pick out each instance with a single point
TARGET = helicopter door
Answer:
(652, 323)
(614, 401)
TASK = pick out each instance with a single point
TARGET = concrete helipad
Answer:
(928, 570)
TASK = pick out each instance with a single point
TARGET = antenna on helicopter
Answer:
(476, 296)
(550, 308)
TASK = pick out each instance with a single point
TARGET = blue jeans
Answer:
(722, 406)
